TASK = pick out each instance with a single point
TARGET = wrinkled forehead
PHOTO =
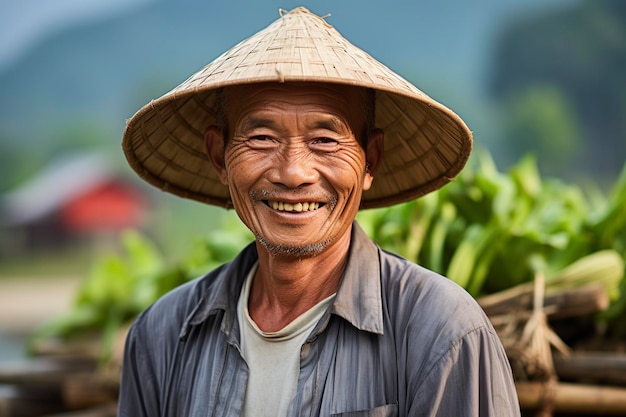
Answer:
(348, 102)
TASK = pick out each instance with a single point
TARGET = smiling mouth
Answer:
(293, 207)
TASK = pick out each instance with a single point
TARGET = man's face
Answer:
(294, 165)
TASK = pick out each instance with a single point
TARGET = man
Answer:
(297, 129)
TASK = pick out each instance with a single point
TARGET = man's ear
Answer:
(214, 147)
(373, 156)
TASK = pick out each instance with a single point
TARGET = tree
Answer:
(539, 120)
(581, 52)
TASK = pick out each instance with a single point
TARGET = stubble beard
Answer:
(306, 251)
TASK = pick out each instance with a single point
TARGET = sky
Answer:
(25, 22)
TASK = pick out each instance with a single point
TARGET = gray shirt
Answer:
(398, 340)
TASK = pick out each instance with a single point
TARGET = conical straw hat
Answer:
(426, 144)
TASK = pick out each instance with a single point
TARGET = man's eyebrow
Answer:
(332, 123)
(254, 122)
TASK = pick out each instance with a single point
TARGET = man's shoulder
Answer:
(397, 270)
(427, 309)
(426, 295)
(190, 292)
(176, 305)
(215, 288)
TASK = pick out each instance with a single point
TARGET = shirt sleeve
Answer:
(138, 395)
(473, 379)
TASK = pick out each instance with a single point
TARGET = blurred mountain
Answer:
(82, 83)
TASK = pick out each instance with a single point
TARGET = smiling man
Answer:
(297, 130)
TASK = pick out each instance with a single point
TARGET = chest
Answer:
(343, 371)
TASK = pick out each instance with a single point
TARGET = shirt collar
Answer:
(358, 298)
(220, 291)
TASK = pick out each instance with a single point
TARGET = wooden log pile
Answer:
(63, 379)
(553, 379)
(55, 387)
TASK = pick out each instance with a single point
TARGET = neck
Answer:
(286, 286)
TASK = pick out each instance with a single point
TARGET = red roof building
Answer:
(74, 197)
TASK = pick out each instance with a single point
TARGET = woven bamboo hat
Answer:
(426, 144)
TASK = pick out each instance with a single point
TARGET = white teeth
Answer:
(298, 207)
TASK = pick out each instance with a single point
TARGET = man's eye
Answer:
(325, 142)
(261, 142)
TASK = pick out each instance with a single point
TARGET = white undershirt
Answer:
(273, 358)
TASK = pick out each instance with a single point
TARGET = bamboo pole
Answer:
(43, 371)
(572, 398)
(107, 410)
(598, 367)
(565, 303)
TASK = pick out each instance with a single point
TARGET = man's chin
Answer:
(297, 251)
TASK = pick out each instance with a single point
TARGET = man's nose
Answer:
(295, 168)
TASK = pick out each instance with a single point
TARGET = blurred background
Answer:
(546, 77)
